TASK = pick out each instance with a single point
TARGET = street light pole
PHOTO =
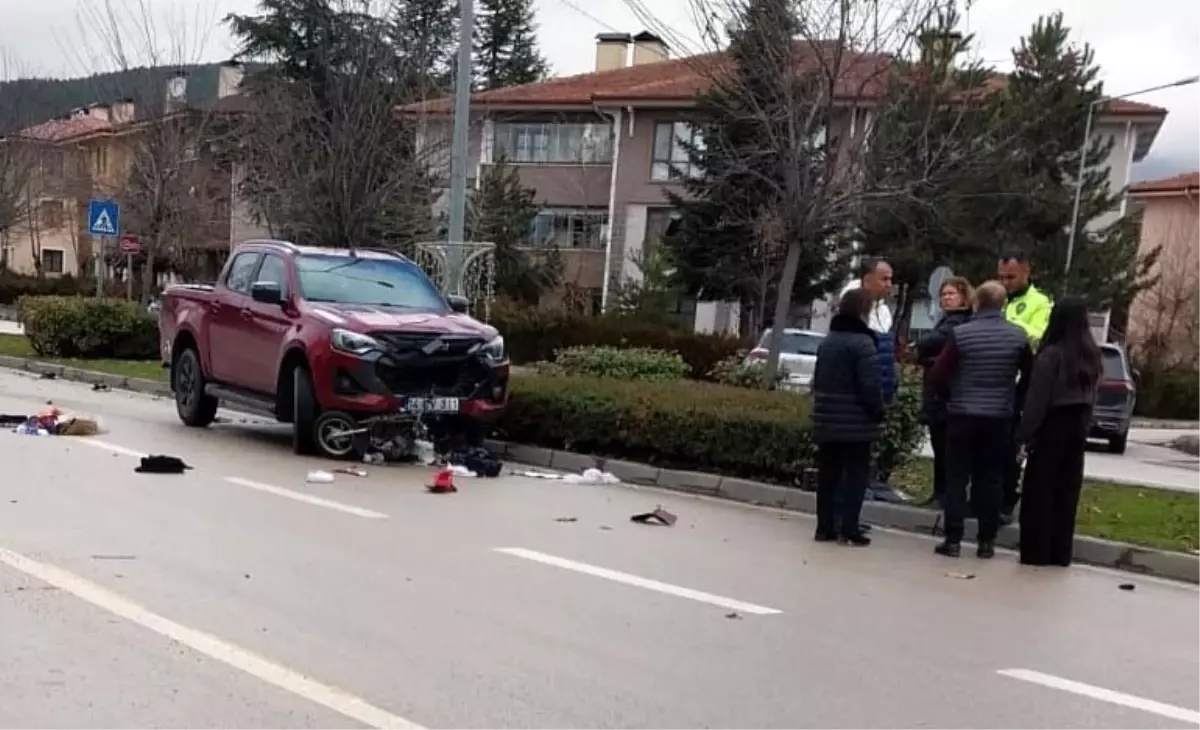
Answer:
(1087, 133)
(456, 234)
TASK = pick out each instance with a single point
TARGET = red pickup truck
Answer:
(356, 348)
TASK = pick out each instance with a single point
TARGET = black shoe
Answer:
(823, 536)
(859, 540)
(1006, 518)
(986, 550)
(864, 528)
(949, 549)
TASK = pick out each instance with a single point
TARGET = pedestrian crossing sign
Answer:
(104, 218)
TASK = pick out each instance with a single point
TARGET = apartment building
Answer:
(602, 149)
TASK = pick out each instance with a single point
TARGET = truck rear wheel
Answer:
(304, 413)
(195, 407)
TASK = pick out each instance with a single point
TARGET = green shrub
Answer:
(903, 433)
(621, 363)
(735, 370)
(88, 328)
(1169, 394)
(14, 286)
(728, 430)
(533, 335)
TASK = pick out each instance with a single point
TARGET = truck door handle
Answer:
(247, 314)
(214, 307)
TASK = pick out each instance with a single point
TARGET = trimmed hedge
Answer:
(683, 424)
(1171, 394)
(534, 335)
(88, 328)
(15, 286)
(622, 363)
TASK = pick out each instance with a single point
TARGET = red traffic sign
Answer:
(129, 245)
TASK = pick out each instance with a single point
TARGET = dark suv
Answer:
(1115, 399)
(347, 345)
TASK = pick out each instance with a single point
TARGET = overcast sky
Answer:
(1138, 44)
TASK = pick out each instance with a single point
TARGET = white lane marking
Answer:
(109, 447)
(241, 659)
(308, 499)
(1104, 695)
(638, 581)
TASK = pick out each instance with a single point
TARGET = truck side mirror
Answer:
(458, 304)
(267, 292)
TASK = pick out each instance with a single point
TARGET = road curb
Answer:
(1090, 550)
(137, 385)
(1164, 424)
(1147, 561)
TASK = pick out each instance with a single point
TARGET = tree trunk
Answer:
(147, 275)
(783, 304)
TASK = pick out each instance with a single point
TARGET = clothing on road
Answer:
(977, 447)
(1053, 480)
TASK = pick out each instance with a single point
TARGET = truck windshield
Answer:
(366, 281)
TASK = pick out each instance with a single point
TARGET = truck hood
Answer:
(367, 318)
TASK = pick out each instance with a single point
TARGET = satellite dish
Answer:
(936, 279)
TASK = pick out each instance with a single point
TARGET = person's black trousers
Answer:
(843, 472)
(1053, 480)
(976, 451)
(937, 442)
(1010, 488)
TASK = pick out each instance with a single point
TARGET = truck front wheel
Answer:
(195, 407)
(304, 413)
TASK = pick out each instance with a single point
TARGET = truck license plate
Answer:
(431, 405)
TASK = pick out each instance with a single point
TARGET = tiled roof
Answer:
(681, 79)
(1177, 184)
(59, 130)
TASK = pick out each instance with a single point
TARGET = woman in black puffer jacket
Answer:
(955, 300)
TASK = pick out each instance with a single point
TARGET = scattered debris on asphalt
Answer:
(49, 376)
(961, 576)
(476, 459)
(353, 471)
(114, 557)
(658, 517)
(566, 519)
(51, 421)
(373, 457)
(589, 476)
(1127, 586)
(461, 471)
(443, 482)
(100, 387)
(162, 464)
(533, 474)
(734, 615)
(319, 477)
(605, 527)
(423, 452)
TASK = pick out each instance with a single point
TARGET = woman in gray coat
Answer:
(848, 413)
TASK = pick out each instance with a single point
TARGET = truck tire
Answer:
(1118, 444)
(195, 407)
(304, 413)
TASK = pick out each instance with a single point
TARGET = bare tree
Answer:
(1165, 320)
(154, 158)
(18, 165)
(330, 158)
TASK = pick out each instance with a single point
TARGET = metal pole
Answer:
(100, 269)
(458, 153)
(1087, 133)
(129, 276)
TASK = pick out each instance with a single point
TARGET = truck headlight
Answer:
(494, 349)
(353, 342)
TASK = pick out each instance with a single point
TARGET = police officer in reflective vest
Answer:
(1028, 308)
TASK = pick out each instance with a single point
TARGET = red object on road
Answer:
(129, 245)
(443, 482)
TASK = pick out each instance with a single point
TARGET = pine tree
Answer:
(501, 211)
(505, 45)
(1046, 102)
(425, 34)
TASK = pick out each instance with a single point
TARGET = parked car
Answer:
(798, 354)
(352, 347)
(1115, 399)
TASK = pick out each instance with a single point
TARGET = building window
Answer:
(550, 143)
(657, 221)
(52, 261)
(569, 229)
(672, 143)
(50, 214)
(100, 160)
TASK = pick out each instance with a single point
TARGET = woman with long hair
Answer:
(954, 298)
(1053, 433)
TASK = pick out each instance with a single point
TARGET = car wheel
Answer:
(304, 412)
(335, 435)
(1117, 444)
(195, 407)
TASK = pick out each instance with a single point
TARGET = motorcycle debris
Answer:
(351, 470)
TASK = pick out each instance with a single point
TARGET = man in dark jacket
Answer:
(848, 413)
(978, 370)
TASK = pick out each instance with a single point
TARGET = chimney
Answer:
(78, 113)
(176, 91)
(939, 46)
(229, 78)
(100, 111)
(611, 50)
(648, 48)
(121, 111)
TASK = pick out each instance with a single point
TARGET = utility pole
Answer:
(455, 251)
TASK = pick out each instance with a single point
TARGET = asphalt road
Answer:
(237, 595)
